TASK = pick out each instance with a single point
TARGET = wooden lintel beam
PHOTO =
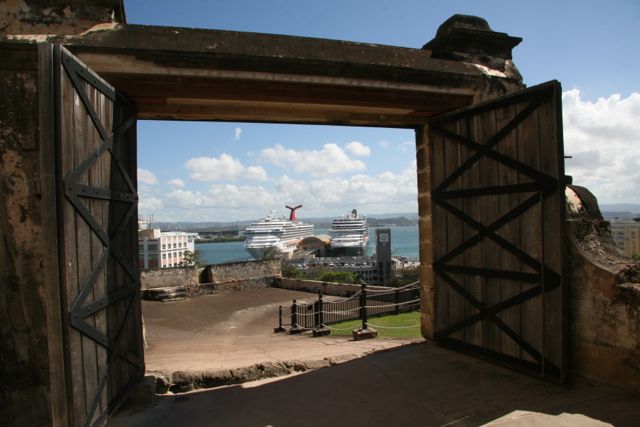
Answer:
(292, 114)
(292, 93)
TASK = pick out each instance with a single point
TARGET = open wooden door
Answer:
(497, 180)
(97, 203)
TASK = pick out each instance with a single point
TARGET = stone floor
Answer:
(417, 385)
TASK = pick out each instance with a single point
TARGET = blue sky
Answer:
(590, 46)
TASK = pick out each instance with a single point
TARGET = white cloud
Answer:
(406, 145)
(222, 196)
(358, 149)
(188, 199)
(238, 132)
(146, 176)
(322, 196)
(222, 168)
(385, 192)
(176, 182)
(604, 139)
(331, 160)
(149, 203)
(256, 173)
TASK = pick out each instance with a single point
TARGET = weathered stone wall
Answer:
(57, 17)
(213, 279)
(24, 350)
(315, 286)
(189, 277)
(241, 271)
(604, 299)
(239, 276)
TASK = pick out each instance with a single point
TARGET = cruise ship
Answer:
(276, 237)
(349, 234)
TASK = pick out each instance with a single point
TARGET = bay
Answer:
(404, 242)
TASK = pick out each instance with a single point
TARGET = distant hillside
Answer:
(623, 215)
(398, 221)
(378, 220)
(620, 210)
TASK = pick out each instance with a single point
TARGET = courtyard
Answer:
(235, 330)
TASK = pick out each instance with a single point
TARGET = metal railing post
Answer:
(320, 314)
(397, 297)
(294, 315)
(363, 306)
(279, 328)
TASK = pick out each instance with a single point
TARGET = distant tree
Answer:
(191, 258)
(269, 254)
(338, 276)
(405, 276)
(636, 257)
(292, 272)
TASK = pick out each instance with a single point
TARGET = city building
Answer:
(626, 234)
(158, 249)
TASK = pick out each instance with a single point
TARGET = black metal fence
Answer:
(366, 303)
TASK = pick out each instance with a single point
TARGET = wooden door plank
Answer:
(487, 214)
(101, 283)
(439, 238)
(552, 225)
(530, 236)
(473, 256)
(454, 230)
(510, 231)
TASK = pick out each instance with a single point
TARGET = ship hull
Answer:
(279, 250)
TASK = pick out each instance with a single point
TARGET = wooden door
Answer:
(97, 202)
(497, 180)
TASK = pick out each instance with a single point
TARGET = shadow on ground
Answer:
(418, 385)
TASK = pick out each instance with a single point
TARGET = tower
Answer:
(384, 265)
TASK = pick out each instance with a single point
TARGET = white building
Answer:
(163, 249)
(626, 233)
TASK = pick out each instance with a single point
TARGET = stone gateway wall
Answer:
(604, 298)
(28, 268)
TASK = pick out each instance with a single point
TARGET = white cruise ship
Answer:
(276, 237)
(349, 234)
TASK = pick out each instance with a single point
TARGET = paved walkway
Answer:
(235, 330)
(418, 385)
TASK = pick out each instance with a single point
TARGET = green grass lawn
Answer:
(404, 319)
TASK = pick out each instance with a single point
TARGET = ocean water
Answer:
(404, 242)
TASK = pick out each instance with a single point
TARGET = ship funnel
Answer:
(292, 215)
(354, 213)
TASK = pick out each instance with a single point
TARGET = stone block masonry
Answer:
(239, 271)
(170, 278)
(213, 279)
(239, 276)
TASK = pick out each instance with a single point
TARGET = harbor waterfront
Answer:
(404, 242)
